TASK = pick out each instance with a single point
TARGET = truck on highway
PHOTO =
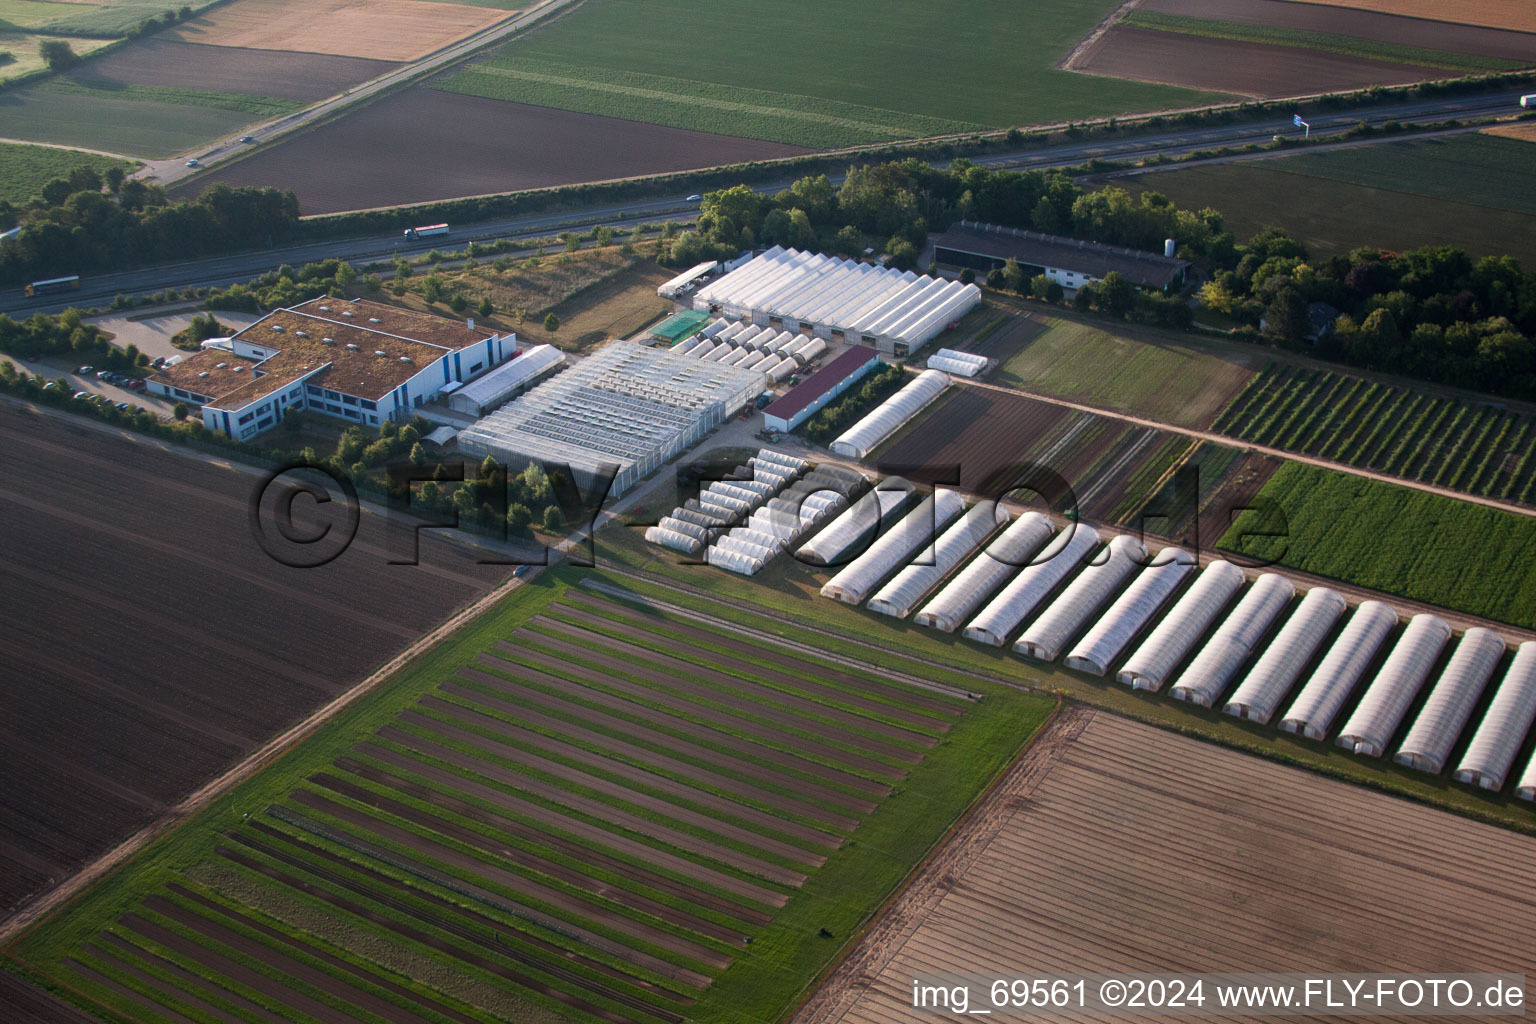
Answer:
(53, 284)
(428, 231)
(1528, 102)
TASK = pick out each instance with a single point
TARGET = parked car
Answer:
(522, 570)
(135, 385)
(121, 407)
(86, 369)
(103, 374)
(80, 396)
(157, 362)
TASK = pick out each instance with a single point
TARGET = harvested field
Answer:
(1255, 866)
(1362, 22)
(1232, 66)
(1515, 15)
(1480, 448)
(582, 809)
(124, 695)
(1523, 132)
(390, 30)
(161, 61)
(388, 152)
(1135, 370)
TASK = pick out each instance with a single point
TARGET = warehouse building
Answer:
(359, 360)
(1070, 262)
(625, 410)
(518, 374)
(816, 391)
(895, 312)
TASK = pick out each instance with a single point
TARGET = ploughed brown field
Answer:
(283, 74)
(1226, 65)
(423, 145)
(1362, 22)
(149, 643)
(1518, 15)
(1114, 846)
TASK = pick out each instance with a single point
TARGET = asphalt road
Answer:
(98, 290)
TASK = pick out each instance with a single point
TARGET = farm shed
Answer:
(910, 536)
(889, 416)
(1010, 551)
(1131, 611)
(1044, 638)
(914, 582)
(1439, 723)
(961, 364)
(803, 402)
(1386, 701)
(1207, 676)
(1070, 262)
(626, 410)
(1160, 653)
(1005, 612)
(480, 396)
(1282, 662)
(681, 283)
(1324, 694)
(857, 522)
(1497, 740)
(893, 311)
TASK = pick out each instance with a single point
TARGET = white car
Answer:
(193, 163)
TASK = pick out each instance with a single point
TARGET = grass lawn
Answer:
(36, 13)
(96, 20)
(1324, 42)
(836, 74)
(1422, 546)
(1471, 191)
(23, 48)
(24, 170)
(1136, 370)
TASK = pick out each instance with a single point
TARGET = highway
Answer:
(99, 290)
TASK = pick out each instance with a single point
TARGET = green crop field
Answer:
(25, 57)
(108, 20)
(1421, 546)
(36, 13)
(1477, 447)
(1471, 191)
(24, 170)
(1323, 42)
(141, 121)
(578, 808)
(835, 74)
(1128, 369)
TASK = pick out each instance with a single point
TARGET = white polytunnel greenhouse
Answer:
(1321, 697)
(876, 509)
(895, 311)
(1159, 654)
(1207, 676)
(1008, 552)
(1492, 751)
(674, 540)
(1044, 638)
(1007, 611)
(1450, 703)
(1131, 611)
(887, 417)
(911, 535)
(1282, 662)
(914, 582)
(1402, 676)
(962, 364)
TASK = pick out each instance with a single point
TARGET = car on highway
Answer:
(694, 199)
(193, 163)
(247, 138)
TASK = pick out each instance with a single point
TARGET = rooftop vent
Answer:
(278, 328)
(203, 373)
(327, 341)
(405, 359)
(347, 312)
(221, 365)
(373, 320)
(325, 309)
(301, 334)
(351, 346)
(380, 352)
